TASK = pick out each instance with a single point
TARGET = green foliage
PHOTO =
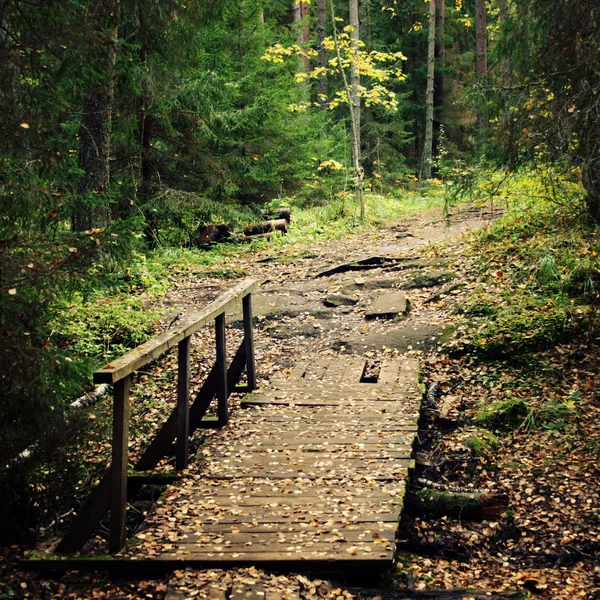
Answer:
(539, 271)
(548, 102)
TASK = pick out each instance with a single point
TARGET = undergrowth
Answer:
(539, 275)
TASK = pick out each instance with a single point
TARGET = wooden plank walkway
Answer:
(312, 472)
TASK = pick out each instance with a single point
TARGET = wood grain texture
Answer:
(189, 325)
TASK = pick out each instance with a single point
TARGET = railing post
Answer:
(120, 455)
(183, 403)
(249, 341)
(222, 392)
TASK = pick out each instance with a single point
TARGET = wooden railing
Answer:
(113, 490)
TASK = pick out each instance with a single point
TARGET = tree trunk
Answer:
(94, 135)
(481, 67)
(267, 227)
(438, 81)
(321, 34)
(351, 97)
(145, 133)
(507, 122)
(475, 506)
(302, 22)
(355, 105)
(428, 145)
(590, 177)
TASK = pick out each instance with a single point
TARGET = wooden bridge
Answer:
(311, 474)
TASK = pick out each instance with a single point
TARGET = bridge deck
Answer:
(313, 471)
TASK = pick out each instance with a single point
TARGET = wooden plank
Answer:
(252, 446)
(304, 371)
(399, 371)
(295, 515)
(299, 549)
(222, 393)
(120, 457)
(275, 594)
(380, 527)
(317, 502)
(249, 342)
(300, 454)
(157, 346)
(151, 567)
(283, 538)
(351, 440)
(266, 400)
(183, 404)
(347, 370)
(241, 590)
(273, 558)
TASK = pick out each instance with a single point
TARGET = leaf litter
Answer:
(546, 544)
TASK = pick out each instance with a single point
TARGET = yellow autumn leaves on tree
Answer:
(377, 67)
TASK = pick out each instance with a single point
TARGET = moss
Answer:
(505, 416)
(484, 443)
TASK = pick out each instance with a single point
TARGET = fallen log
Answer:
(474, 506)
(267, 227)
(280, 213)
(215, 233)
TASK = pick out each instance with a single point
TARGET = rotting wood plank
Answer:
(293, 528)
(189, 325)
(267, 539)
(306, 371)
(345, 371)
(247, 591)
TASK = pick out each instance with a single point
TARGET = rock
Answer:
(402, 338)
(431, 279)
(336, 300)
(375, 283)
(276, 306)
(388, 306)
(372, 262)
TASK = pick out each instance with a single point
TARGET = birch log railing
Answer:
(112, 491)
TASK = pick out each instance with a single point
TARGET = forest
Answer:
(143, 144)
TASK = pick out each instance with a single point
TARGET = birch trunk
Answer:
(481, 67)
(355, 105)
(428, 145)
(321, 34)
(438, 82)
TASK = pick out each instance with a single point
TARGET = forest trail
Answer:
(358, 306)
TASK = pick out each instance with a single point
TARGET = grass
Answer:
(538, 269)
(108, 321)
